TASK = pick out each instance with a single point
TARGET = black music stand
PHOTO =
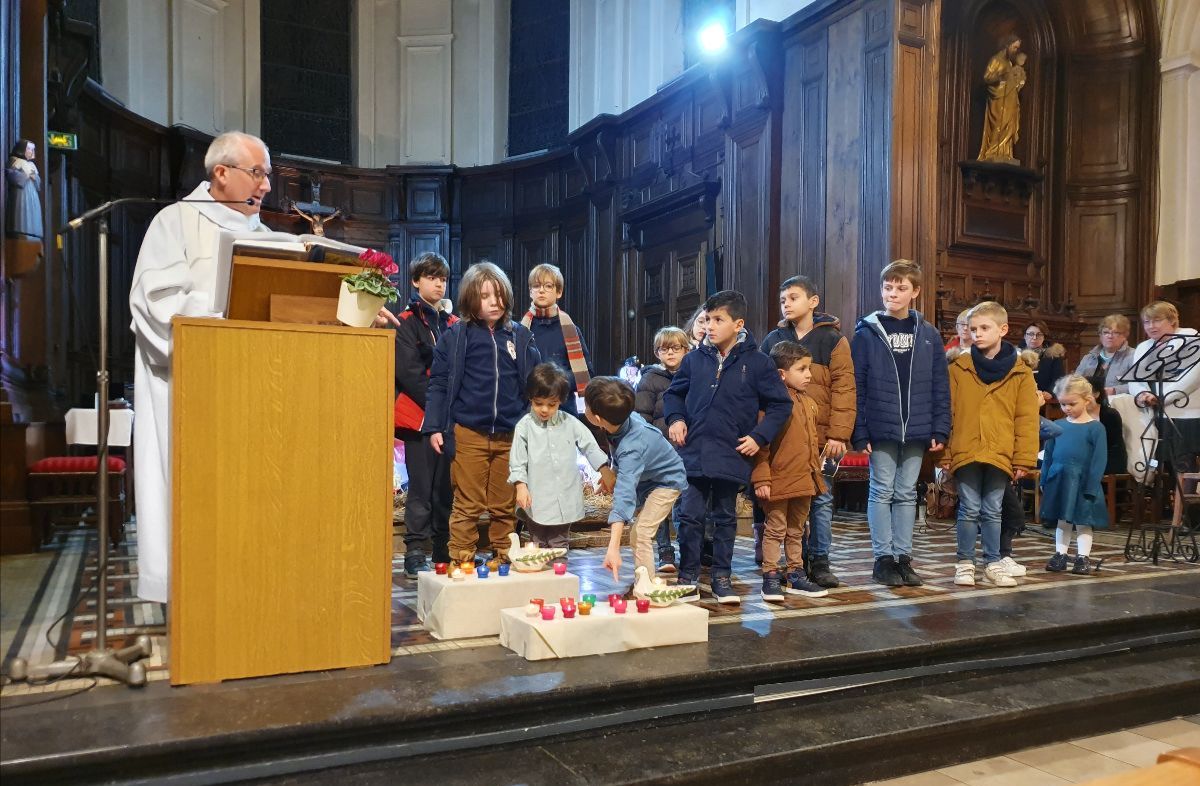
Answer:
(1168, 360)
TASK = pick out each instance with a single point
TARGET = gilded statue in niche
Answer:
(1004, 77)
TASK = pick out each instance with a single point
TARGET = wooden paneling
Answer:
(1077, 245)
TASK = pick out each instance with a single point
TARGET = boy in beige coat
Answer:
(786, 477)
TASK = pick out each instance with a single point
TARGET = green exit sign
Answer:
(61, 140)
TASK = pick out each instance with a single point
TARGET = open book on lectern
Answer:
(275, 245)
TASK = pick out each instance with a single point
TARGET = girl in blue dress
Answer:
(1071, 477)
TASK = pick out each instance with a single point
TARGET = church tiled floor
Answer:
(934, 547)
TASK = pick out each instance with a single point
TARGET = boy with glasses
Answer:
(670, 345)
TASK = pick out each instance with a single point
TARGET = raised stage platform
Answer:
(867, 683)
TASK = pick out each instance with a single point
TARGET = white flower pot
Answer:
(358, 309)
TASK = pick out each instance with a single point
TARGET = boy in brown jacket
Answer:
(833, 391)
(993, 438)
(786, 476)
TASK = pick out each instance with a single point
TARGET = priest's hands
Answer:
(385, 318)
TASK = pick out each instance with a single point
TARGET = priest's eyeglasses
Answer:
(255, 173)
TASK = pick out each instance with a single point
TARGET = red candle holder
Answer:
(539, 602)
(613, 598)
(619, 606)
(560, 569)
(547, 613)
(441, 568)
(569, 612)
(643, 605)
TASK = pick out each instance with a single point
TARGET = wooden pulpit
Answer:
(281, 496)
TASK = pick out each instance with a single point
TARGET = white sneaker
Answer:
(996, 575)
(1012, 567)
(964, 574)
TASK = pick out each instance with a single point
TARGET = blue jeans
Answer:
(662, 538)
(892, 496)
(980, 498)
(717, 501)
(820, 523)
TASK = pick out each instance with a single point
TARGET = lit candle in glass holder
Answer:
(589, 598)
(547, 613)
(643, 605)
(441, 568)
(585, 609)
(482, 571)
(619, 606)
(504, 568)
(560, 569)
(569, 612)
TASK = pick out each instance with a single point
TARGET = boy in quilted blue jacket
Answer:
(903, 388)
(712, 409)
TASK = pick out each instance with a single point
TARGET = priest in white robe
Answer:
(175, 275)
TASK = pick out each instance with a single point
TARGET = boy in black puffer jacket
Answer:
(670, 345)
(427, 504)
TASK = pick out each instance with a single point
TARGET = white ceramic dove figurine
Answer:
(656, 590)
(530, 559)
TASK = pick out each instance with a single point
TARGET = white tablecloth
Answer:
(82, 427)
(602, 631)
(471, 607)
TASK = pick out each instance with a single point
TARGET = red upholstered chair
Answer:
(61, 490)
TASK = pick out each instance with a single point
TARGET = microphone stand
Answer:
(100, 661)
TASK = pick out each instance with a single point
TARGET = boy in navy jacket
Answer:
(903, 389)
(476, 395)
(712, 409)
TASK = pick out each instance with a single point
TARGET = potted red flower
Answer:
(365, 292)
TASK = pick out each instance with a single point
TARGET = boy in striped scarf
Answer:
(558, 338)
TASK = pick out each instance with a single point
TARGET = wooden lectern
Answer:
(282, 498)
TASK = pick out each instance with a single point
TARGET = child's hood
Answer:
(871, 322)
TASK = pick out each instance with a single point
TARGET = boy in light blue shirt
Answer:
(650, 473)
(542, 463)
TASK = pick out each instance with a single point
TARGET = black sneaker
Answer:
(1057, 563)
(819, 573)
(798, 584)
(722, 590)
(907, 574)
(1082, 566)
(885, 572)
(772, 589)
(415, 563)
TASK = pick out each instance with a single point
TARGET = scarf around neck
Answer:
(570, 338)
(994, 369)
